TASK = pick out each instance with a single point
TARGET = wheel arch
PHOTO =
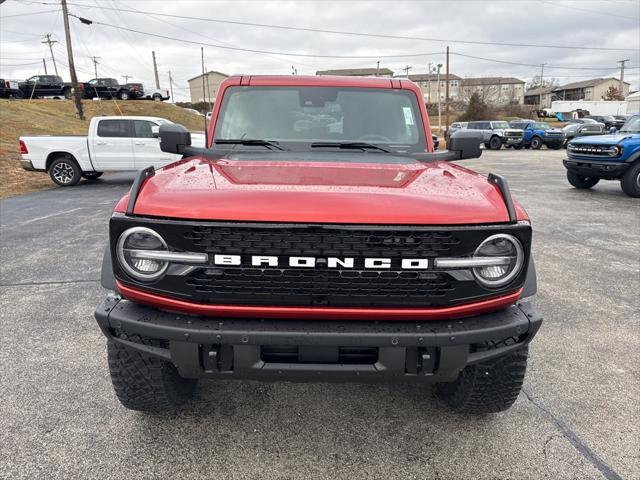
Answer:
(58, 153)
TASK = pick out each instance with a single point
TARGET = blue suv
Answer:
(607, 157)
(537, 134)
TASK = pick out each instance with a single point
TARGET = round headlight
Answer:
(507, 247)
(136, 240)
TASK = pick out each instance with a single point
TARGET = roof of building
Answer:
(539, 91)
(470, 82)
(584, 84)
(209, 73)
(356, 72)
(432, 77)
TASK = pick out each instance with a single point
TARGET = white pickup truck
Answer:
(112, 144)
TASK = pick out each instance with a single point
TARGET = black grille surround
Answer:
(320, 286)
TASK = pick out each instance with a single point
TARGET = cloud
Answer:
(583, 24)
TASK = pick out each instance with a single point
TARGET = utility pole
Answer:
(155, 70)
(126, 78)
(50, 42)
(439, 107)
(541, 84)
(378, 68)
(206, 130)
(622, 62)
(173, 100)
(95, 65)
(72, 69)
(406, 69)
(44, 62)
(429, 72)
(446, 95)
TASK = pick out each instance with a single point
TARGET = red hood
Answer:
(437, 193)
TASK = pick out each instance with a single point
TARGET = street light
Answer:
(439, 107)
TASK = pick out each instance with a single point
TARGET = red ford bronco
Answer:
(318, 237)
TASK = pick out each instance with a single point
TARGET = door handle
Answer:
(101, 143)
(140, 143)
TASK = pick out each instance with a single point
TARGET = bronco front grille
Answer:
(320, 285)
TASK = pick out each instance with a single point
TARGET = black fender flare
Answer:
(107, 278)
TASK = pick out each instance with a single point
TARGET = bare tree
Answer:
(613, 94)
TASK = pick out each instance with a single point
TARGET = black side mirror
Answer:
(466, 144)
(174, 138)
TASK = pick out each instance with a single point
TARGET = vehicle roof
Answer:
(324, 80)
(129, 117)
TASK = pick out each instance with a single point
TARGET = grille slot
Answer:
(345, 355)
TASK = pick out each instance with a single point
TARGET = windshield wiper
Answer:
(250, 142)
(350, 145)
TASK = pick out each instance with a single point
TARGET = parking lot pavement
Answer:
(577, 417)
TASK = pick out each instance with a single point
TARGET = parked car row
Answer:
(527, 133)
(52, 86)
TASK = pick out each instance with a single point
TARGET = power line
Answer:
(251, 50)
(31, 13)
(359, 34)
(532, 64)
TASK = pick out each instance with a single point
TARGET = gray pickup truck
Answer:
(497, 133)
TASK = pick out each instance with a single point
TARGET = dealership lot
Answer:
(577, 417)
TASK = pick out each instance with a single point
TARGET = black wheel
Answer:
(630, 182)
(123, 95)
(486, 387)
(519, 146)
(67, 94)
(536, 143)
(556, 146)
(65, 171)
(580, 181)
(157, 98)
(146, 383)
(495, 143)
(91, 175)
(17, 94)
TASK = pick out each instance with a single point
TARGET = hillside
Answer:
(57, 117)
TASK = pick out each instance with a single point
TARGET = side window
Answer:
(143, 128)
(472, 126)
(113, 128)
(485, 125)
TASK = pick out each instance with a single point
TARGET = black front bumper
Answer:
(597, 168)
(300, 350)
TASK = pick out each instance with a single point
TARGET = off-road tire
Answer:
(91, 175)
(580, 181)
(630, 181)
(124, 95)
(157, 98)
(145, 383)
(495, 143)
(486, 387)
(67, 94)
(65, 171)
(536, 143)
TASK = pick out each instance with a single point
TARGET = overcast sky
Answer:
(585, 23)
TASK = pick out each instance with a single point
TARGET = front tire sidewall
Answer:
(495, 143)
(630, 181)
(157, 98)
(65, 171)
(536, 143)
(124, 96)
(580, 181)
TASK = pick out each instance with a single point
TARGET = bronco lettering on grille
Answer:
(330, 262)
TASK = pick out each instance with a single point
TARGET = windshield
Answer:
(500, 124)
(296, 117)
(632, 125)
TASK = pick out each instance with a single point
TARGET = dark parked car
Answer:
(45, 86)
(575, 130)
(455, 126)
(608, 121)
(110, 88)
(582, 121)
(537, 134)
(9, 89)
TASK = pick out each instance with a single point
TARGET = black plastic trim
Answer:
(503, 186)
(137, 185)
(199, 345)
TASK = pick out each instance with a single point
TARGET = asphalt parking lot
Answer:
(578, 416)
